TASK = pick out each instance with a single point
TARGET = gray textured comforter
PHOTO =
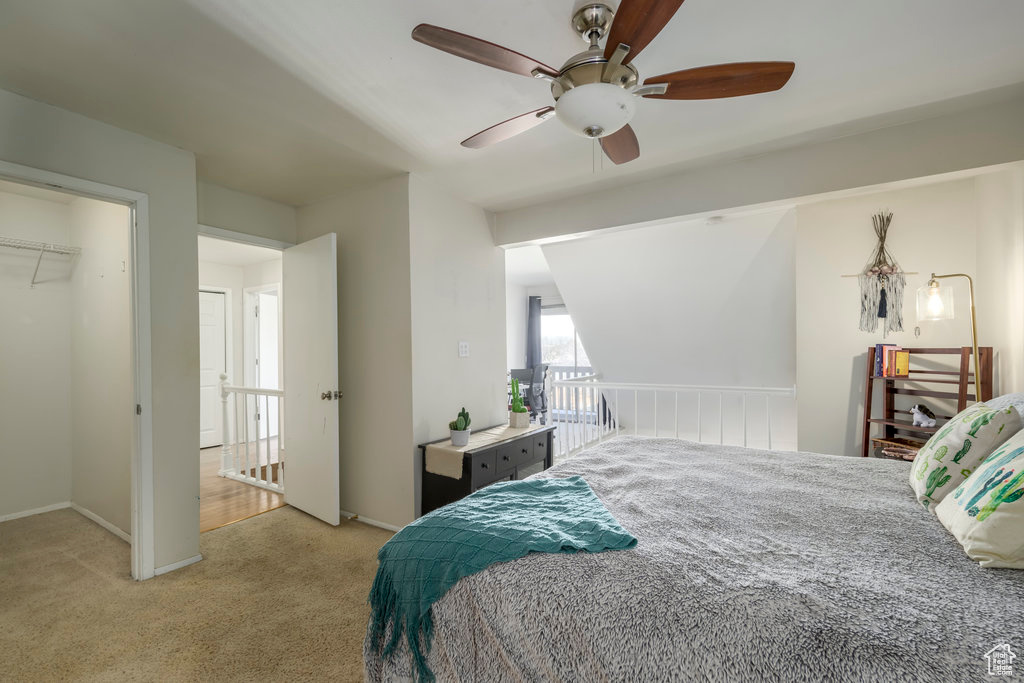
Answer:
(751, 565)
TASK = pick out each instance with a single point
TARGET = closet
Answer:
(66, 374)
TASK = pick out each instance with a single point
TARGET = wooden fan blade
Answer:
(723, 80)
(636, 24)
(507, 129)
(480, 51)
(621, 146)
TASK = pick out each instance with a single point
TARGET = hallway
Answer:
(224, 501)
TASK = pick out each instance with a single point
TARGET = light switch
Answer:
(463, 349)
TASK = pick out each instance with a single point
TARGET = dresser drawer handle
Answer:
(524, 450)
(483, 465)
(505, 458)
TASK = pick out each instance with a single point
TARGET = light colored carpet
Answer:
(281, 596)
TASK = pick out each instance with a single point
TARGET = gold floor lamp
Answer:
(936, 303)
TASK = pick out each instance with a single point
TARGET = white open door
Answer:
(310, 288)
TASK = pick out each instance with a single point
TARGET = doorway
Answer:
(263, 353)
(240, 354)
(282, 377)
(75, 258)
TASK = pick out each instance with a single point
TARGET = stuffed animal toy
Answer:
(923, 416)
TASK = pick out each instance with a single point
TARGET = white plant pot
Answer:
(460, 439)
(518, 420)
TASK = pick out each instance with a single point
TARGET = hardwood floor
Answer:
(223, 501)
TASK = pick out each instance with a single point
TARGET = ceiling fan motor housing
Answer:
(593, 97)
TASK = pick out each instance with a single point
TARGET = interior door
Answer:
(212, 362)
(310, 288)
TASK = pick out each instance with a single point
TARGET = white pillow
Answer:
(986, 512)
(1016, 401)
(958, 448)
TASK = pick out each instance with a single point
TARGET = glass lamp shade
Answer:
(934, 302)
(595, 110)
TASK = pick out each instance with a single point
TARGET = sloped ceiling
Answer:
(686, 303)
(299, 100)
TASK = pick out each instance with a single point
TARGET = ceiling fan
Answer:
(596, 90)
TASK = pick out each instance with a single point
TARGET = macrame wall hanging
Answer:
(881, 284)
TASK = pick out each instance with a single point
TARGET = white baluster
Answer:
(237, 459)
(655, 413)
(245, 417)
(675, 413)
(225, 449)
(699, 425)
(616, 412)
(265, 475)
(721, 418)
(744, 419)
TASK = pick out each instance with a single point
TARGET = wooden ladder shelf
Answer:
(897, 424)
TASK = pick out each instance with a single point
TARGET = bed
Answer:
(750, 565)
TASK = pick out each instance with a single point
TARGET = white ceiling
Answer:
(236, 254)
(298, 100)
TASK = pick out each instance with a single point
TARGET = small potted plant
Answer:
(518, 417)
(460, 429)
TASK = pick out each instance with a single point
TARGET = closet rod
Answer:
(42, 247)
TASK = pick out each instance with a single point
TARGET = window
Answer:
(560, 344)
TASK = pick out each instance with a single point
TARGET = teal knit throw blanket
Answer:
(502, 522)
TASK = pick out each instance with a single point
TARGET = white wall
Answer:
(220, 207)
(35, 339)
(1000, 274)
(101, 380)
(266, 273)
(934, 229)
(220, 276)
(237, 279)
(458, 294)
(418, 272)
(53, 139)
(982, 136)
(685, 303)
(516, 316)
(375, 336)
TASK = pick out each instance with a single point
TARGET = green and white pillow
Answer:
(986, 512)
(958, 448)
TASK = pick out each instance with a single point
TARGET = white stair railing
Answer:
(253, 450)
(587, 410)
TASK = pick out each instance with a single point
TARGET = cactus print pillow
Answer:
(986, 512)
(958, 448)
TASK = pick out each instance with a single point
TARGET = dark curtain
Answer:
(533, 350)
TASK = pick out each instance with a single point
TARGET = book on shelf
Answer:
(891, 361)
(901, 365)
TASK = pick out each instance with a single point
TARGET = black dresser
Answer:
(512, 458)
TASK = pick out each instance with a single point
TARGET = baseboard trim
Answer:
(177, 565)
(35, 511)
(353, 517)
(92, 516)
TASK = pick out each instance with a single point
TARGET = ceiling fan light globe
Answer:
(600, 108)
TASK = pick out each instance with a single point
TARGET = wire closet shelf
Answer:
(41, 248)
